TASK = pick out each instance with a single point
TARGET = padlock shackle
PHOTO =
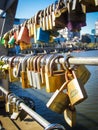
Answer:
(52, 61)
(31, 63)
(35, 63)
(48, 59)
(11, 59)
(39, 63)
(24, 63)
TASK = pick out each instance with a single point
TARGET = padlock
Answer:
(70, 115)
(30, 28)
(41, 18)
(36, 24)
(29, 73)
(24, 77)
(50, 17)
(22, 115)
(16, 109)
(75, 87)
(17, 67)
(11, 40)
(2, 72)
(59, 100)
(24, 34)
(82, 73)
(92, 2)
(35, 71)
(38, 74)
(32, 72)
(42, 69)
(11, 67)
(44, 20)
(6, 36)
(9, 104)
(47, 18)
(54, 79)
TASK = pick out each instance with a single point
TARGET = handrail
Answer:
(44, 123)
(71, 60)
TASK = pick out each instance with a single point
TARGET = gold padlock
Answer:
(25, 83)
(54, 79)
(59, 100)
(76, 91)
(82, 73)
(70, 115)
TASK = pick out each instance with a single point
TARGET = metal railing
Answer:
(44, 123)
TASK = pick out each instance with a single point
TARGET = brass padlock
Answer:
(76, 91)
(25, 83)
(70, 115)
(54, 79)
(82, 73)
(59, 100)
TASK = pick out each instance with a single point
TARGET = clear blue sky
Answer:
(28, 8)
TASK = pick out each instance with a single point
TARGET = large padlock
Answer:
(54, 79)
(70, 115)
(76, 91)
(82, 73)
(59, 100)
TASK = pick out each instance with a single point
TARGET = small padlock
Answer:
(22, 115)
(16, 110)
(9, 104)
(70, 115)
